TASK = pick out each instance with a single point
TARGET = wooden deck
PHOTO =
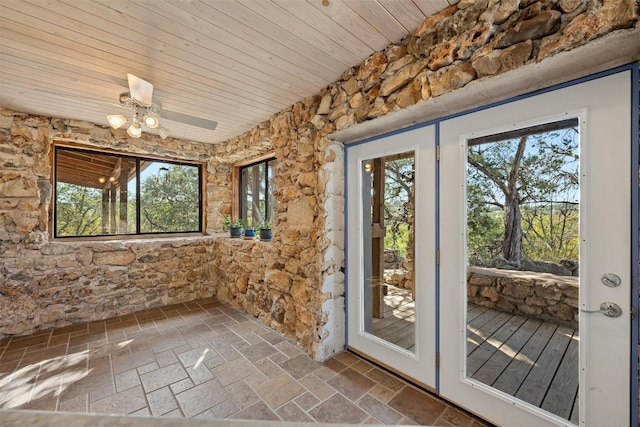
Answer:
(398, 326)
(532, 360)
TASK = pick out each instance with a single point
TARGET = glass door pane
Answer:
(523, 270)
(388, 211)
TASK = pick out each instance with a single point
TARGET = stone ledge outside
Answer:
(542, 296)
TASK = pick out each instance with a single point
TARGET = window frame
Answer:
(236, 208)
(136, 158)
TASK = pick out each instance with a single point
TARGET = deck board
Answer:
(516, 372)
(537, 383)
(564, 385)
(534, 361)
(499, 361)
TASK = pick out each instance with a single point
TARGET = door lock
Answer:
(609, 309)
(611, 280)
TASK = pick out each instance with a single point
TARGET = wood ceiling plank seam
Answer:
(28, 82)
(79, 175)
(102, 161)
(299, 29)
(289, 80)
(406, 12)
(340, 12)
(39, 107)
(201, 61)
(216, 52)
(293, 63)
(194, 134)
(28, 79)
(373, 12)
(324, 24)
(46, 50)
(82, 168)
(83, 107)
(63, 75)
(430, 7)
(12, 54)
(271, 34)
(108, 51)
(98, 89)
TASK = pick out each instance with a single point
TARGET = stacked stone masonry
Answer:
(542, 296)
(296, 282)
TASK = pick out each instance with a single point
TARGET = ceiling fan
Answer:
(139, 100)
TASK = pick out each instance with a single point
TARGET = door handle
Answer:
(609, 309)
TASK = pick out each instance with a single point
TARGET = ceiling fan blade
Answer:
(163, 132)
(189, 120)
(140, 90)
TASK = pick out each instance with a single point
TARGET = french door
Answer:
(391, 185)
(557, 351)
(489, 256)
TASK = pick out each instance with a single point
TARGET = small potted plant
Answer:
(265, 231)
(249, 230)
(233, 225)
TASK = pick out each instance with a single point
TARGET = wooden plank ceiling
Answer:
(233, 61)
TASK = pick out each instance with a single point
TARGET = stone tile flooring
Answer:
(204, 360)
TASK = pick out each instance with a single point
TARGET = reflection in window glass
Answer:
(168, 195)
(99, 194)
(256, 200)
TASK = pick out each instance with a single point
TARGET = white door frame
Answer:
(605, 148)
(418, 365)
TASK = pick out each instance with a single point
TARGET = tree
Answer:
(534, 166)
(397, 190)
(169, 200)
(78, 210)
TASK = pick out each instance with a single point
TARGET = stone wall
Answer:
(539, 295)
(46, 283)
(301, 289)
(305, 262)
(465, 42)
(468, 41)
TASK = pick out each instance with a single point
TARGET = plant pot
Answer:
(265, 235)
(249, 234)
(235, 232)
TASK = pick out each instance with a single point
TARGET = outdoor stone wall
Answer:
(539, 295)
(301, 289)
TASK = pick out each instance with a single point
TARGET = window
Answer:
(105, 194)
(256, 201)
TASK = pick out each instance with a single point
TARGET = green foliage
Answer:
(551, 232)
(169, 201)
(397, 238)
(543, 184)
(250, 225)
(485, 230)
(78, 210)
(265, 225)
(397, 212)
(228, 223)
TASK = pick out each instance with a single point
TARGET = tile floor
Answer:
(204, 360)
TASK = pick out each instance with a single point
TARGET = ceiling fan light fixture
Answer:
(151, 120)
(116, 120)
(135, 131)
